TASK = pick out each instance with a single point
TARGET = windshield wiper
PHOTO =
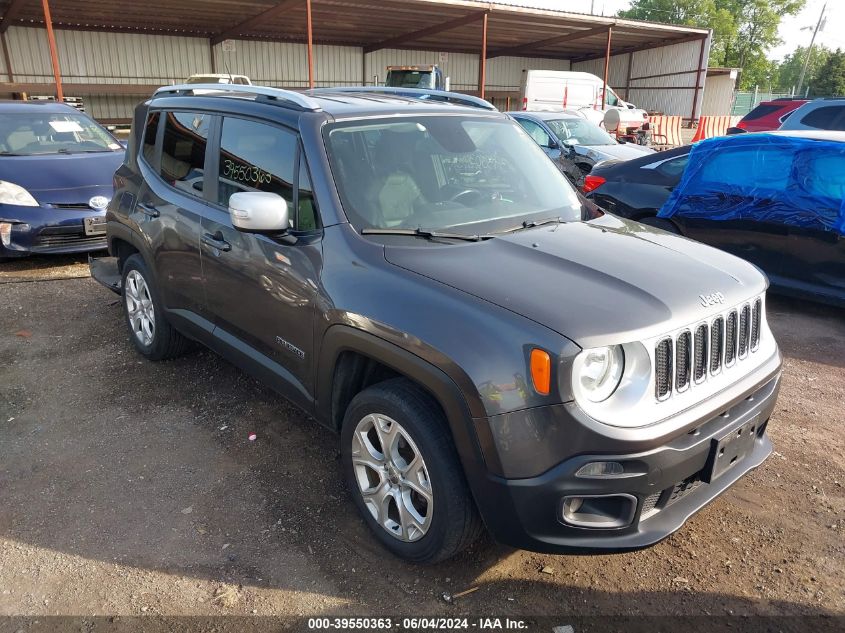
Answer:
(530, 224)
(426, 234)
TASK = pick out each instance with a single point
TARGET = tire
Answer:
(660, 223)
(450, 520)
(150, 332)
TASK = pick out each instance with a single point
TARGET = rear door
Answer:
(814, 254)
(262, 289)
(749, 179)
(170, 206)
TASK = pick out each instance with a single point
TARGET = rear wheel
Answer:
(403, 472)
(149, 330)
(660, 223)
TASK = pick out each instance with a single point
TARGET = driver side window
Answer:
(536, 132)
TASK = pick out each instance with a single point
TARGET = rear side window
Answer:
(674, 167)
(183, 151)
(150, 134)
(731, 169)
(760, 111)
(260, 157)
(536, 132)
(826, 118)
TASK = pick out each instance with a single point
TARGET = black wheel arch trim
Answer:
(460, 410)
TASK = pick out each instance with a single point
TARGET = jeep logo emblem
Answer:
(711, 299)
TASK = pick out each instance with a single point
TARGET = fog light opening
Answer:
(601, 470)
(599, 511)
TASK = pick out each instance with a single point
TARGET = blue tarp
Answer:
(764, 178)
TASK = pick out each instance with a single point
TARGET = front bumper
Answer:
(49, 230)
(668, 484)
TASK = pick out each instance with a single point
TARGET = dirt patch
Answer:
(131, 487)
(44, 267)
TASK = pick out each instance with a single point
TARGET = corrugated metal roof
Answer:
(525, 31)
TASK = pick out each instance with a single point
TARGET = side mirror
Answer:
(553, 144)
(258, 211)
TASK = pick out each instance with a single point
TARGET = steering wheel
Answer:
(464, 194)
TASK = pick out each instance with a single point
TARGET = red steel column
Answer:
(482, 62)
(606, 67)
(697, 80)
(54, 55)
(310, 44)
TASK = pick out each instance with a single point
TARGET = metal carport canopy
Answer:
(442, 25)
(486, 29)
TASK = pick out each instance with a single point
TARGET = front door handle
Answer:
(216, 241)
(149, 210)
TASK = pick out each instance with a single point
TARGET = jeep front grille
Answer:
(744, 330)
(730, 338)
(682, 361)
(717, 341)
(693, 355)
(663, 369)
(755, 324)
(699, 367)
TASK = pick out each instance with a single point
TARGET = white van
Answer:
(556, 90)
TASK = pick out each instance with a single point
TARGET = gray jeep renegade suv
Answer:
(415, 273)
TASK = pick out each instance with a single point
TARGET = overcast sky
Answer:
(790, 29)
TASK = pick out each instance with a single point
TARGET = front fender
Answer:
(455, 393)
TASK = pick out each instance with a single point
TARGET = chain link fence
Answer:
(744, 102)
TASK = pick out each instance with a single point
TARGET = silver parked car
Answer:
(574, 143)
(819, 114)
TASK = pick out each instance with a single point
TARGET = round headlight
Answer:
(598, 371)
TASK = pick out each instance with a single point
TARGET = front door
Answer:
(262, 289)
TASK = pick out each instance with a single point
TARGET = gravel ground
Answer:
(130, 487)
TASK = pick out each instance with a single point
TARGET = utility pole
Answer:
(810, 50)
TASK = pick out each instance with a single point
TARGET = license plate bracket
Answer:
(94, 226)
(729, 450)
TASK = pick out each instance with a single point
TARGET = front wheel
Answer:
(149, 330)
(403, 472)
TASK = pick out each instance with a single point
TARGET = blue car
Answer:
(56, 170)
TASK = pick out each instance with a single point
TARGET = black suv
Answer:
(415, 273)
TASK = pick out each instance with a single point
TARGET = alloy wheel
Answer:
(139, 307)
(392, 477)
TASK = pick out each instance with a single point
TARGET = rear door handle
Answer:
(149, 210)
(216, 241)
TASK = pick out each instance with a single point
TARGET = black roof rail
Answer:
(301, 101)
(441, 96)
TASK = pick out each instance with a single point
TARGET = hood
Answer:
(620, 152)
(61, 178)
(599, 282)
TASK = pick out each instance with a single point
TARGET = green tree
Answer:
(743, 30)
(830, 81)
(789, 69)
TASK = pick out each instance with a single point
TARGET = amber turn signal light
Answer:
(541, 371)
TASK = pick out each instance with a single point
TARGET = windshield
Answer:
(457, 173)
(580, 132)
(410, 79)
(30, 134)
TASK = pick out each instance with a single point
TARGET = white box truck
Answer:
(556, 90)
